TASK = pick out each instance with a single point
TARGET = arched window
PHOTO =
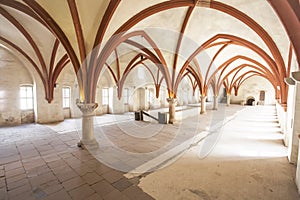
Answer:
(262, 95)
(66, 97)
(26, 97)
(105, 96)
(126, 95)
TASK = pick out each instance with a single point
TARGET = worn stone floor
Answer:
(44, 162)
(248, 161)
(197, 158)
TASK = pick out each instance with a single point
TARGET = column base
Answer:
(88, 144)
(172, 121)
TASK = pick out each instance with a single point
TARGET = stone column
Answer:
(203, 104)
(172, 103)
(296, 126)
(215, 106)
(228, 100)
(293, 148)
(116, 105)
(297, 180)
(88, 113)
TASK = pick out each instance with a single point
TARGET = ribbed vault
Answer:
(170, 39)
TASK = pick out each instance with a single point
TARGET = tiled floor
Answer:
(44, 162)
(38, 163)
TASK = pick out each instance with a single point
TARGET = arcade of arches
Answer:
(67, 59)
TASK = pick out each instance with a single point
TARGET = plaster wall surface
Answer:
(12, 75)
(116, 105)
(68, 79)
(49, 112)
(252, 87)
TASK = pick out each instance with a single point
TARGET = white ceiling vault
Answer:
(213, 42)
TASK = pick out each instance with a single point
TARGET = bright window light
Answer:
(105, 96)
(66, 93)
(26, 97)
(126, 95)
(2, 94)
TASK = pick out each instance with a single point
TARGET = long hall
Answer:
(242, 158)
(139, 99)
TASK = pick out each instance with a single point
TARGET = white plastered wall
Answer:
(13, 75)
(252, 87)
(16, 71)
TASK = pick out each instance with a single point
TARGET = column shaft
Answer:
(203, 104)
(88, 114)
(215, 106)
(228, 100)
(172, 103)
(295, 127)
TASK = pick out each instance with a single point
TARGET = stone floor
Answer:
(37, 162)
(248, 161)
(212, 156)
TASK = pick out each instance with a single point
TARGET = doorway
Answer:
(250, 101)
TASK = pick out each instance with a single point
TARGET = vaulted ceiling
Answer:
(213, 43)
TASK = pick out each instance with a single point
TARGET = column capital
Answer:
(87, 108)
(289, 81)
(296, 76)
(171, 100)
(284, 106)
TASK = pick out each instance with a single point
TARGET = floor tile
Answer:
(95, 197)
(73, 183)
(82, 192)
(92, 178)
(60, 195)
(103, 188)
(112, 176)
(14, 172)
(115, 195)
(122, 184)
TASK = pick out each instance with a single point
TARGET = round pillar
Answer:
(203, 104)
(215, 106)
(228, 100)
(88, 113)
(172, 103)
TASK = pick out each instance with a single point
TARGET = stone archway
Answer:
(139, 99)
(250, 101)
